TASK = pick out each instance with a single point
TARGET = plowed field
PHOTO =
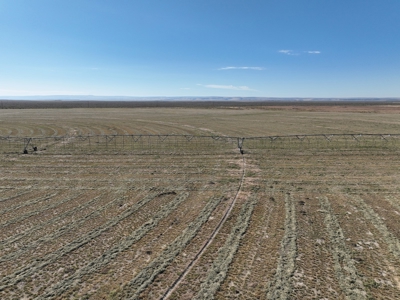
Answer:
(273, 224)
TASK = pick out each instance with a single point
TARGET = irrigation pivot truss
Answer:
(325, 141)
(171, 143)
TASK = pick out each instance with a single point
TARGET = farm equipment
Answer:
(28, 142)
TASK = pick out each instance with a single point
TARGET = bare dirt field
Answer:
(287, 222)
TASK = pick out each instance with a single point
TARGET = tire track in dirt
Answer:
(212, 237)
(25, 131)
(164, 280)
(8, 198)
(46, 130)
(5, 131)
(281, 285)
(133, 289)
(345, 269)
(128, 263)
(219, 269)
(257, 256)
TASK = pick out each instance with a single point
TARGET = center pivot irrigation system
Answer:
(171, 143)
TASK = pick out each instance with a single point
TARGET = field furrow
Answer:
(32, 268)
(41, 242)
(164, 281)
(114, 251)
(58, 220)
(282, 284)
(189, 203)
(25, 199)
(24, 219)
(253, 265)
(9, 194)
(344, 265)
(219, 268)
(134, 288)
(377, 267)
(129, 262)
(21, 209)
(386, 211)
(391, 240)
(187, 285)
(208, 246)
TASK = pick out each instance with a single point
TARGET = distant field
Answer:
(234, 121)
(289, 222)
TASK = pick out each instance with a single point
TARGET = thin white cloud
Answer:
(242, 68)
(227, 87)
(292, 52)
(288, 52)
(185, 88)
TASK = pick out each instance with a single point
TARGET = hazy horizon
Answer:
(187, 98)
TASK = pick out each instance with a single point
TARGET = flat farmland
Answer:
(274, 223)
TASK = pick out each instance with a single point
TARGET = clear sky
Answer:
(247, 48)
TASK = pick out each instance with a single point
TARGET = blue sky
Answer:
(252, 48)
